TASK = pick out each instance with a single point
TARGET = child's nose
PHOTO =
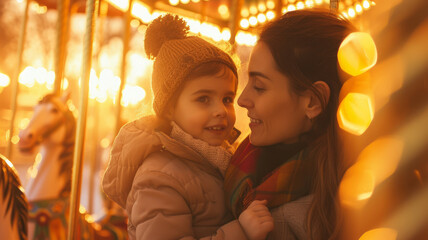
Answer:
(220, 110)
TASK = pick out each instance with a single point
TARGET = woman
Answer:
(292, 156)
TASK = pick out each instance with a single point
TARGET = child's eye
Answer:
(203, 99)
(228, 100)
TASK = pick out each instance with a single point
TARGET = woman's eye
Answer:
(259, 89)
(257, 86)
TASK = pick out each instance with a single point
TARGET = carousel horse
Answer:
(53, 127)
(13, 203)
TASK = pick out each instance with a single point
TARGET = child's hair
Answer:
(178, 56)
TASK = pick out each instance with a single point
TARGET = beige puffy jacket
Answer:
(168, 190)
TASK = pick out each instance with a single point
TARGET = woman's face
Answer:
(277, 114)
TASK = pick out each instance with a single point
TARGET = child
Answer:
(167, 170)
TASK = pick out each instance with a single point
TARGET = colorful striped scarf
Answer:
(289, 181)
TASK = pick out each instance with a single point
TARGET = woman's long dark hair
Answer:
(304, 45)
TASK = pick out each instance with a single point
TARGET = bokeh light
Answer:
(357, 53)
(380, 233)
(376, 162)
(355, 113)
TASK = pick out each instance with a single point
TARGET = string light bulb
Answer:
(270, 4)
(300, 5)
(270, 15)
(174, 2)
(245, 24)
(261, 18)
(245, 13)
(253, 21)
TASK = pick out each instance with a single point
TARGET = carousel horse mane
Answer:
(13, 202)
(66, 157)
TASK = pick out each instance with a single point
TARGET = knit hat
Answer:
(176, 56)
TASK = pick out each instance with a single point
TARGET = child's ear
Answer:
(314, 104)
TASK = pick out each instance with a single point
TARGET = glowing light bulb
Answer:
(355, 113)
(223, 9)
(253, 10)
(357, 53)
(15, 139)
(122, 5)
(135, 23)
(351, 12)
(105, 142)
(366, 4)
(261, 7)
(225, 34)
(261, 18)
(174, 2)
(4, 80)
(270, 15)
(244, 23)
(142, 12)
(358, 8)
(300, 5)
(284, 10)
(253, 21)
(270, 4)
(245, 13)
(309, 3)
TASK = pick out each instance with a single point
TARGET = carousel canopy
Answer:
(218, 19)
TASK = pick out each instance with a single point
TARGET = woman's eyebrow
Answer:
(258, 74)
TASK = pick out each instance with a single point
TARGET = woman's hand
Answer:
(256, 220)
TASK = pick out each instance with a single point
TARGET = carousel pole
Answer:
(278, 8)
(235, 18)
(61, 42)
(126, 37)
(15, 80)
(91, 11)
(334, 5)
(103, 9)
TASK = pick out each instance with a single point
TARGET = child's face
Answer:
(205, 110)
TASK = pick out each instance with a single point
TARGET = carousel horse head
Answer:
(53, 128)
(13, 203)
(52, 123)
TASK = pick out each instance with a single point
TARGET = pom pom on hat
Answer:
(161, 30)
